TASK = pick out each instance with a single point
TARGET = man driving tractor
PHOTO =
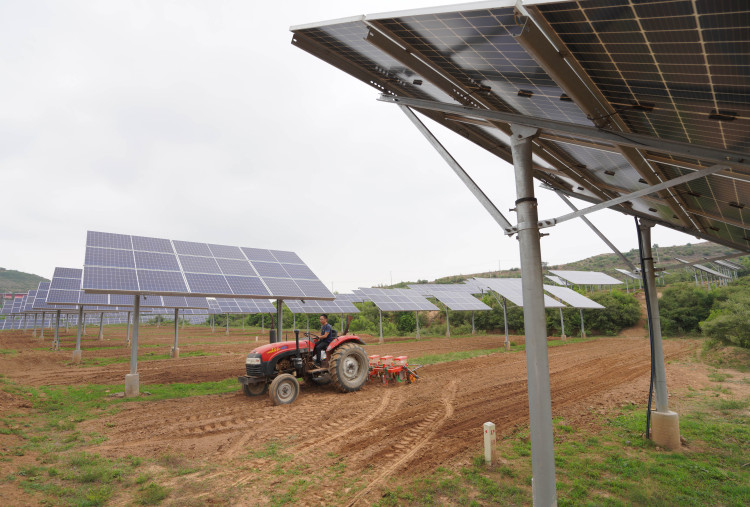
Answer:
(327, 334)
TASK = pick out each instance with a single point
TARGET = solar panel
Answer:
(432, 289)
(461, 301)
(672, 70)
(586, 277)
(352, 298)
(396, 300)
(730, 265)
(629, 274)
(512, 290)
(555, 279)
(121, 264)
(240, 306)
(571, 297)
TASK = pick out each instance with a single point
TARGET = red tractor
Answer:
(275, 368)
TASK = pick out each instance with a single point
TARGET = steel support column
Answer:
(57, 330)
(583, 330)
(544, 490)
(175, 348)
(473, 329)
(279, 323)
(127, 331)
(380, 315)
(447, 323)
(227, 326)
(41, 330)
(132, 380)
(77, 351)
(562, 325)
(101, 326)
(660, 380)
(416, 315)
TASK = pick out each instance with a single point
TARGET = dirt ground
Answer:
(383, 435)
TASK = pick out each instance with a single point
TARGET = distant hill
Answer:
(607, 263)
(18, 281)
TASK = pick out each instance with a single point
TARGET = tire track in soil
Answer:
(409, 439)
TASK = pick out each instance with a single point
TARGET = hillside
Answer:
(609, 261)
(18, 281)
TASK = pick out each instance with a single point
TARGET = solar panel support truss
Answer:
(460, 172)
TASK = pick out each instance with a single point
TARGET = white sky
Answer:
(198, 120)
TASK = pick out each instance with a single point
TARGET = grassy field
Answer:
(612, 465)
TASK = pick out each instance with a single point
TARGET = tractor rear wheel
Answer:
(284, 389)
(255, 389)
(349, 367)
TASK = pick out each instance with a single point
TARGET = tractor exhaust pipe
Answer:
(348, 321)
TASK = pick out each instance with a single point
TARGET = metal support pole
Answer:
(307, 316)
(77, 351)
(473, 329)
(342, 323)
(263, 323)
(294, 321)
(660, 380)
(212, 323)
(57, 330)
(101, 326)
(562, 325)
(380, 314)
(416, 315)
(447, 323)
(127, 331)
(84, 325)
(227, 323)
(132, 384)
(175, 347)
(243, 321)
(33, 334)
(583, 330)
(41, 334)
(279, 323)
(537, 361)
(627, 289)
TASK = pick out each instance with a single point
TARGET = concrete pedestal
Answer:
(77, 356)
(563, 338)
(665, 429)
(507, 346)
(175, 352)
(132, 385)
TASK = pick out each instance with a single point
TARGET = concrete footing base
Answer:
(77, 356)
(665, 429)
(132, 385)
(507, 346)
(583, 335)
(175, 352)
(563, 338)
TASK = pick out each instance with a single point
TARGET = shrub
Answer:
(683, 307)
(621, 311)
(407, 323)
(729, 319)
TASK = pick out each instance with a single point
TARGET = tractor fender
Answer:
(343, 339)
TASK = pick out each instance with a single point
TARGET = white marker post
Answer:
(490, 453)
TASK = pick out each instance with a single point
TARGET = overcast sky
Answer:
(198, 120)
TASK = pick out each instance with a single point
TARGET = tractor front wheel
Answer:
(349, 367)
(255, 389)
(284, 389)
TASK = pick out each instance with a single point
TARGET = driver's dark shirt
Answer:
(326, 329)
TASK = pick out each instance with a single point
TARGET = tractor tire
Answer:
(321, 380)
(284, 389)
(255, 389)
(349, 367)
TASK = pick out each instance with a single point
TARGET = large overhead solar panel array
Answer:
(118, 263)
(512, 290)
(396, 300)
(572, 298)
(729, 265)
(352, 298)
(672, 70)
(586, 277)
(461, 301)
(703, 268)
(629, 274)
(240, 306)
(40, 302)
(65, 288)
(312, 306)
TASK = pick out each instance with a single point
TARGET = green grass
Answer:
(614, 466)
(9, 352)
(150, 356)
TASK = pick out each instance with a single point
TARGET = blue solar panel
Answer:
(272, 269)
(66, 283)
(247, 285)
(313, 288)
(152, 260)
(174, 301)
(283, 287)
(67, 273)
(108, 240)
(226, 252)
(152, 244)
(190, 248)
(119, 299)
(236, 267)
(207, 284)
(258, 254)
(110, 279)
(196, 302)
(161, 281)
(108, 257)
(283, 256)
(192, 264)
(299, 271)
(94, 299)
(63, 296)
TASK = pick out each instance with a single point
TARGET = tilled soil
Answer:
(381, 436)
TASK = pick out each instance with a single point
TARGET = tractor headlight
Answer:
(252, 360)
